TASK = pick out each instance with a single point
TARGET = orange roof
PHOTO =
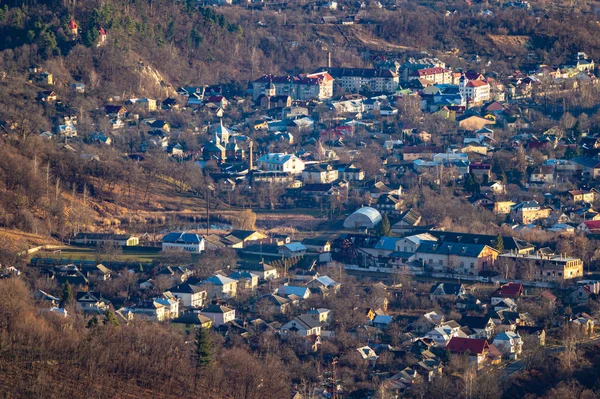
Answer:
(72, 24)
(476, 83)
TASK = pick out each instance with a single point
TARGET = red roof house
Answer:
(477, 349)
(73, 27)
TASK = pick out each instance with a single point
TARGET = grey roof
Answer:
(177, 237)
(214, 308)
(450, 248)
(186, 289)
(192, 318)
(510, 243)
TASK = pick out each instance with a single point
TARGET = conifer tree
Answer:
(499, 243)
(111, 319)
(67, 294)
(203, 352)
(384, 226)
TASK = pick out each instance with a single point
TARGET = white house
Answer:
(509, 343)
(189, 242)
(92, 302)
(280, 162)
(477, 91)
(303, 326)
(219, 314)
(191, 296)
(220, 286)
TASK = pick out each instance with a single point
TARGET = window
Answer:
(441, 262)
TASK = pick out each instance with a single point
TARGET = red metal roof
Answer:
(72, 24)
(463, 345)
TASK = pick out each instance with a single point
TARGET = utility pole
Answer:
(209, 188)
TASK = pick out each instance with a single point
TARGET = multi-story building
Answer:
(189, 242)
(280, 162)
(528, 212)
(476, 91)
(319, 173)
(354, 80)
(435, 75)
(542, 267)
(456, 257)
(314, 86)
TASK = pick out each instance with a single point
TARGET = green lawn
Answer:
(144, 255)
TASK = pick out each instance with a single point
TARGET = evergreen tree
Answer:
(384, 226)
(111, 319)
(499, 243)
(203, 352)
(67, 294)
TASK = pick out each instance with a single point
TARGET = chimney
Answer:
(251, 166)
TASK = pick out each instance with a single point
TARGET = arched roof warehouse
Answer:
(365, 217)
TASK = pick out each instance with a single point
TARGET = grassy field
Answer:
(143, 255)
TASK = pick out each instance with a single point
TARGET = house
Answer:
(92, 302)
(246, 280)
(509, 343)
(220, 286)
(219, 314)
(581, 294)
(446, 290)
(281, 162)
(482, 326)
(150, 309)
(541, 267)
(292, 249)
(265, 272)
(189, 242)
(528, 212)
(509, 290)
(542, 174)
(582, 195)
(411, 243)
(323, 315)
(97, 272)
(368, 354)
(190, 321)
(324, 282)
(476, 91)
(300, 292)
(303, 326)
(320, 173)
(48, 96)
(178, 274)
(73, 27)
(456, 257)
(482, 171)
(317, 244)
(589, 227)
(473, 122)
(239, 238)
(382, 321)
(443, 333)
(271, 303)
(100, 239)
(390, 204)
(190, 296)
(408, 221)
(476, 349)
